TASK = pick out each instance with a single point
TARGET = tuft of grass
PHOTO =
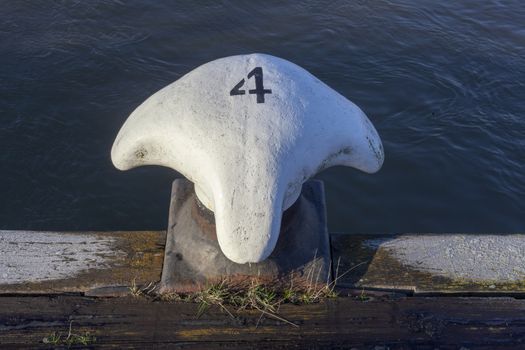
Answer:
(291, 296)
(263, 297)
(363, 296)
(80, 339)
(71, 339)
(141, 291)
(54, 338)
(313, 291)
(134, 289)
(265, 300)
(172, 297)
(215, 294)
(254, 294)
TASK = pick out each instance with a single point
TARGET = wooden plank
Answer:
(394, 323)
(90, 262)
(57, 262)
(432, 264)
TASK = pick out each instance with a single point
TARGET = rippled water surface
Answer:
(443, 82)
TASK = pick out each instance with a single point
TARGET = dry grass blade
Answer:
(274, 315)
(139, 291)
(216, 294)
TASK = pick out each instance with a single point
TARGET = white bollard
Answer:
(248, 131)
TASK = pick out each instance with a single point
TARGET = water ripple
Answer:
(442, 81)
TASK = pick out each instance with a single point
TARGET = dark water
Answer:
(443, 82)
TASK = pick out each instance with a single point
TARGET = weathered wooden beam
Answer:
(398, 323)
(57, 262)
(96, 262)
(432, 263)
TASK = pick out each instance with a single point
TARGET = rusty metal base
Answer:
(193, 258)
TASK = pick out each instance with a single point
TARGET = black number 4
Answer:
(259, 86)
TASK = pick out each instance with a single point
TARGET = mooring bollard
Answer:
(248, 132)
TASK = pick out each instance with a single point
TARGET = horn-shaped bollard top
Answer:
(248, 131)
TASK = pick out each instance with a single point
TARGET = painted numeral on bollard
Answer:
(259, 90)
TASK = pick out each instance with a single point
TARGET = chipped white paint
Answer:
(27, 256)
(497, 258)
(248, 158)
